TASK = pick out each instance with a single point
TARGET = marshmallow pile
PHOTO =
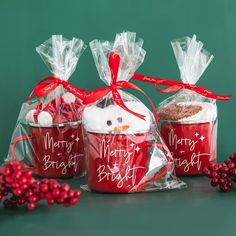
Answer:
(60, 110)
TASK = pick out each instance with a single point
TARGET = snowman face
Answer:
(114, 119)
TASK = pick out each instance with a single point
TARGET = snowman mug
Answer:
(121, 162)
(57, 151)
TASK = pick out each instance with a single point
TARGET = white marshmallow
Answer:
(96, 118)
(68, 98)
(30, 116)
(45, 119)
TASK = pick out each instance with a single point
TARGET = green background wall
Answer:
(25, 24)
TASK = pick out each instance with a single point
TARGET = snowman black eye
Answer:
(119, 119)
(109, 123)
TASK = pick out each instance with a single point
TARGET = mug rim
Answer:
(73, 123)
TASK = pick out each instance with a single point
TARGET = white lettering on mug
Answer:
(194, 161)
(106, 152)
(72, 161)
(105, 172)
(113, 174)
(176, 142)
(50, 143)
(186, 144)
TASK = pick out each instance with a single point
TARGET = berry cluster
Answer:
(223, 174)
(24, 189)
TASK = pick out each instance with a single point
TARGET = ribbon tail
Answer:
(125, 84)
(174, 86)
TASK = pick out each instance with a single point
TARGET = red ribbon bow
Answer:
(174, 86)
(49, 83)
(96, 94)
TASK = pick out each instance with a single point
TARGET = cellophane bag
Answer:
(124, 153)
(48, 133)
(189, 120)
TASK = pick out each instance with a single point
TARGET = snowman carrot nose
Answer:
(120, 128)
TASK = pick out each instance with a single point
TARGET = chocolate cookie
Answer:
(175, 112)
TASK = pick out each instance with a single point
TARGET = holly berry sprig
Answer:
(19, 187)
(223, 174)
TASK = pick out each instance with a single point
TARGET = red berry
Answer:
(73, 201)
(65, 187)
(60, 200)
(49, 195)
(29, 194)
(214, 174)
(231, 165)
(211, 165)
(224, 188)
(77, 193)
(55, 193)
(221, 181)
(53, 184)
(23, 180)
(50, 201)
(44, 188)
(33, 199)
(223, 175)
(234, 172)
(17, 192)
(230, 185)
(7, 171)
(71, 193)
(31, 205)
(227, 162)
(27, 174)
(233, 156)
(66, 204)
(220, 166)
(24, 186)
(63, 195)
(214, 182)
(225, 169)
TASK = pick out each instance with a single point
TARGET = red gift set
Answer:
(124, 151)
(188, 119)
(63, 131)
(48, 134)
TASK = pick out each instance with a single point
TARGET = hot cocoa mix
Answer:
(175, 112)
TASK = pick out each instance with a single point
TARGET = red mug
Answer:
(57, 151)
(121, 162)
(193, 146)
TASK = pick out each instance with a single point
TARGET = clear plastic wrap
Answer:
(188, 120)
(48, 133)
(124, 152)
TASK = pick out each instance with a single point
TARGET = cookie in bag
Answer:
(190, 128)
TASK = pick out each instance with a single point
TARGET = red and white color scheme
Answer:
(188, 119)
(124, 152)
(48, 133)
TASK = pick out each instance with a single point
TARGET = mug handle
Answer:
(161, 173)
(15, 141)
